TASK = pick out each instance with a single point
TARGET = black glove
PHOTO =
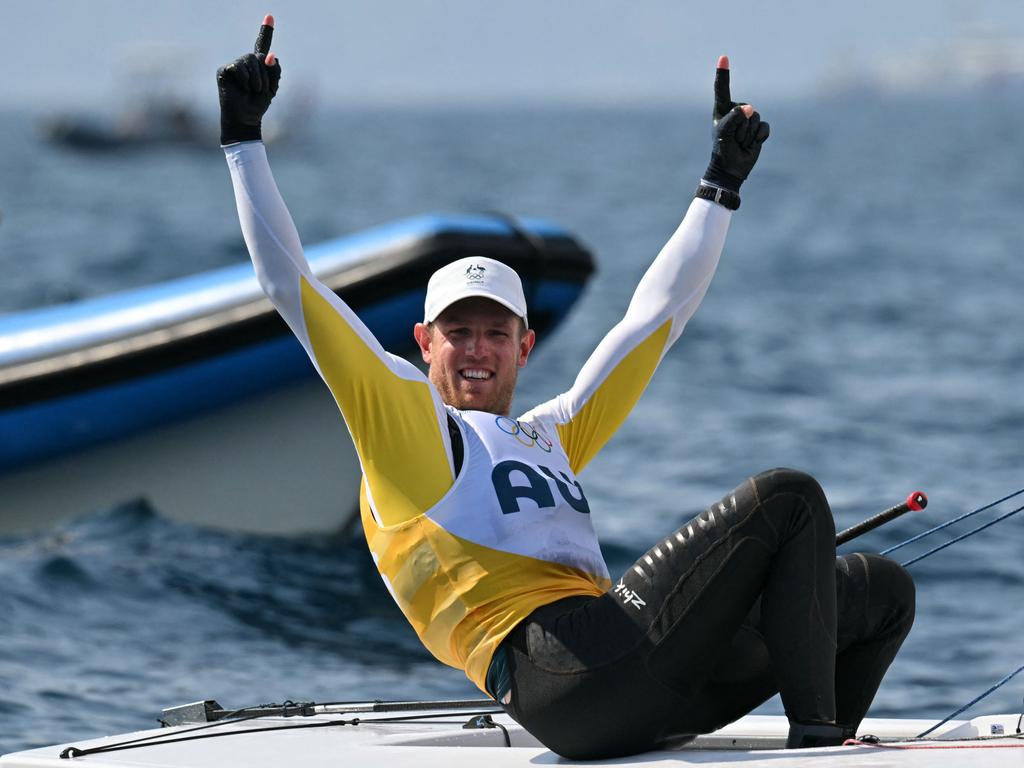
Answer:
(246, 86)
(737, 139)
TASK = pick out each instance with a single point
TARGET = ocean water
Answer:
(865, 325)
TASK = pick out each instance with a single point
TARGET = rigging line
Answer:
(893, 745)
(399, 706)
(158, 739)
(302, 708)
(970, 704)
(971, 532)
(150, 739)
(948, 523)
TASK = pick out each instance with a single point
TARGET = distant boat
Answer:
(976, 57)
(168, 124)
(157, 111)
(193, 395)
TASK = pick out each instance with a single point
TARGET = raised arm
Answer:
(246, 87)
(616, 374)
(397, 420)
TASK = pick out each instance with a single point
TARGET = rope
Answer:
(887, 745)
(149, 741)
(970, 704)
(403, 706)
(146, 740)
(932, 551)
(951, 542)
(955, 520)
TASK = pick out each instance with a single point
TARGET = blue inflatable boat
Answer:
(180, 393)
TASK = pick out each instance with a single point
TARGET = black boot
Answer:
(807, 735)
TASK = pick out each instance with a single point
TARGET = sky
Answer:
(77, 54)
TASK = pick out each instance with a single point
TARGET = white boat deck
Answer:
(331, 740)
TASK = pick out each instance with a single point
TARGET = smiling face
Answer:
(475, 349)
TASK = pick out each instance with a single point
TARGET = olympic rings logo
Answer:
(523, 433)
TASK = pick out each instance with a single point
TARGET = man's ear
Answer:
(422, 333)
(525, 345)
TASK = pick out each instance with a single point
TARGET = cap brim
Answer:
(477, 294)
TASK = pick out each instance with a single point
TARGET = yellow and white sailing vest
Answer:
(513, 533)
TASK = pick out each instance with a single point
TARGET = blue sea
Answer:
(866, 324)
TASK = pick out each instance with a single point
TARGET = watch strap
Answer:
(720, 195)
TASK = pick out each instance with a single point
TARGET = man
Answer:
(482, 532)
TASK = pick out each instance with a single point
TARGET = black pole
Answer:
(915, 501)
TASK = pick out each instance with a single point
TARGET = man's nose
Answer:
(476, 344)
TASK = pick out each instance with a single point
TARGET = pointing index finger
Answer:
(265, 36)
(723, 99)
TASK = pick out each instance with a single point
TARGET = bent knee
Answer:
(791, 481)
(890, 580)
(800, 486)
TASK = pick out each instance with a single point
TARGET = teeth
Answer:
(471, 373)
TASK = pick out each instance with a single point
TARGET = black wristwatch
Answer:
(720, 195)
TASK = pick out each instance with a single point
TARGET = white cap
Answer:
(474, 276)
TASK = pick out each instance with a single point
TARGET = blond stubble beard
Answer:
(500, 404)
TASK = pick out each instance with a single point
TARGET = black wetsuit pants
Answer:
(745, 600)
